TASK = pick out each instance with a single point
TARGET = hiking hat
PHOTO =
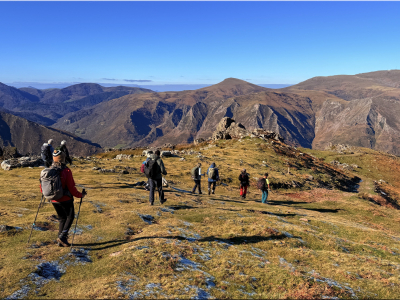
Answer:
(63, 142)
(58, 155)
(50, 141)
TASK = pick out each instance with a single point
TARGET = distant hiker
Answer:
(244, 183)
(154, 169)
(263, 185)
(213, 177)
(46, 153)
(64, 149)
(147, 186)
(58, 186)
(196, 175)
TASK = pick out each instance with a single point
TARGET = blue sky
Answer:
(195, 42)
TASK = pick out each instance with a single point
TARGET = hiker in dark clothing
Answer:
(47, 153)
(213, 177)
(156, 179)
(196, 175)
(244, 183)
(65, 205)
(149, 153)
(64, 149)
(263, 185)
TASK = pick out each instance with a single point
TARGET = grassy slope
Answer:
(237, 248)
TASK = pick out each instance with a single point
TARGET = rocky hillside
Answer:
(28, 137)
(368, 118)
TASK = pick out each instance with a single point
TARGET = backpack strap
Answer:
(66, 191)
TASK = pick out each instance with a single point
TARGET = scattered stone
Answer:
(303, 219)
(116, 254)
(6, 228)
(165, 154)
(107, 170)
(198, 141)
(147, 218)
(123, 156)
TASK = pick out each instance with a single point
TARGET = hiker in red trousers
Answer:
(244, 183)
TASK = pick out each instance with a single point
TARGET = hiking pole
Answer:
(33, 225)
(77, 217)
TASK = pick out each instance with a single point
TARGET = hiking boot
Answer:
(209, 192)
(151, 203)
(213, 192)
(200, 193)
(63, 242)
(163, 201)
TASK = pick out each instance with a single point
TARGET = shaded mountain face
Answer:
(28, 137)
(47, 106)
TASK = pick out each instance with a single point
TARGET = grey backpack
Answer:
(50, 180)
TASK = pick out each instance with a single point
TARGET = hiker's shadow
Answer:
(272, 214)
(237, 240)
(288, 203)
(226, 200)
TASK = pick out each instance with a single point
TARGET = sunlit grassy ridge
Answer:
(317, 237)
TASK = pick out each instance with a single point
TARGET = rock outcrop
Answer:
(21, 162)
(228, 128)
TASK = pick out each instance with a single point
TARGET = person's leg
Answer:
(213, 187)
(160, 190)
(70, 211)
(241, 190)
(244, 191)
(209, 187)
(195, 185)
(264, 196)
(152, 184)
(62, 216)
(199, 184)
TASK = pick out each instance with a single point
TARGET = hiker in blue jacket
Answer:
(213, 177)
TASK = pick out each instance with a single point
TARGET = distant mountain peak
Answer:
(237, 86)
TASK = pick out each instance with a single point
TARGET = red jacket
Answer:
(67, 181)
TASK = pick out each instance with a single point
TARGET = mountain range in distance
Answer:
(360, 110)
(153, 87)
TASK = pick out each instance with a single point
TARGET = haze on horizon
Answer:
(195, 43)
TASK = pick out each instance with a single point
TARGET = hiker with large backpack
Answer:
(213, 177)
(263, 186)
(149, 153)
(64, 149)
(244, 183)
(46, 152)
(58, 186)
(196, 175)
(154, 169)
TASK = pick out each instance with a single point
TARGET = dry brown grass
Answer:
(243, 239)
